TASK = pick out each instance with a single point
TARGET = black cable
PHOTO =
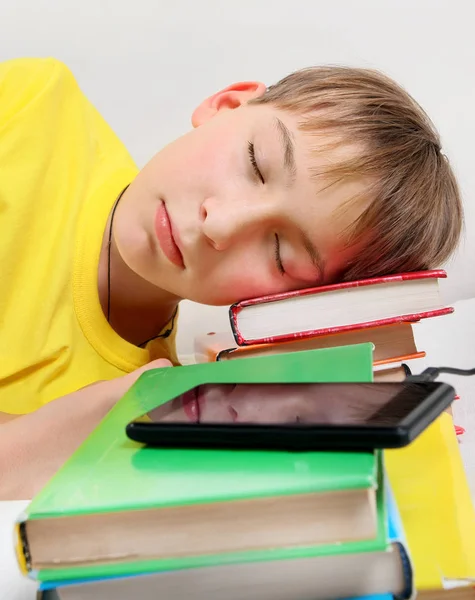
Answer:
(431, 373)
(455, 371)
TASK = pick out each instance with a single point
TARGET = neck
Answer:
(137, 309)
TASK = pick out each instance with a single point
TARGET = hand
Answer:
(34, 446)
(111, 391)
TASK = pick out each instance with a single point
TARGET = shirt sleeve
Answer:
(25, 81)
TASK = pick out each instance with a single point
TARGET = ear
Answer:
(233, 96)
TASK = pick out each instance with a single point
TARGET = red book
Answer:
(406, 297)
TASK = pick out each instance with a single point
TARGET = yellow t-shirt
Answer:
(61, 170)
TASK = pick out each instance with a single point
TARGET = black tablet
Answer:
(294, 416)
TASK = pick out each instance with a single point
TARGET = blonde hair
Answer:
(415, 217)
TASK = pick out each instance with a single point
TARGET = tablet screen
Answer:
(370, 404)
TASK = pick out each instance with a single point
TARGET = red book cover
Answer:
(236, 308)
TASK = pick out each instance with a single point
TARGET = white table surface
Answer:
(13, 585)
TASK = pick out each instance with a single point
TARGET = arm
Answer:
(34, 446)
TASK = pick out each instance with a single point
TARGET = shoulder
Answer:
(24, 80)
(33, 70)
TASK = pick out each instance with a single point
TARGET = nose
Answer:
(226, 222)
(272, 403)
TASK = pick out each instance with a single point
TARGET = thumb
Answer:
(160, 363)
(125, 381)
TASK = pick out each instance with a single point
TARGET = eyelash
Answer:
(278, 259)
(252, 158)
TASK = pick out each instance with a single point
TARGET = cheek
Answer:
(202, 158)
(177, 169)
(236, 280)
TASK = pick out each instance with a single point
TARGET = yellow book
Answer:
(433, 497)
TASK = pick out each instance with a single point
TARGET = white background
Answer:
(147, 63)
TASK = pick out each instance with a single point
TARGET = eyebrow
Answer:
(288, 147)
(314, 254)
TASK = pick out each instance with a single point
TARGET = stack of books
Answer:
(123, 521)
(120, 520)
(381, 311)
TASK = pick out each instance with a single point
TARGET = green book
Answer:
(117, 507)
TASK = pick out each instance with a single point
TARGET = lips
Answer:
(191, 405)
(166, 239)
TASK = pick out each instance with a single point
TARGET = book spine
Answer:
(234, 310)
(22, 548)
(407, 570)
(397, 536)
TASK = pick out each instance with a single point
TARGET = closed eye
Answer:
(252, 158)
(278, 258)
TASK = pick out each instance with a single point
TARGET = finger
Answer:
(159, 363)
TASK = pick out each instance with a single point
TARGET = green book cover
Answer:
(109, 472)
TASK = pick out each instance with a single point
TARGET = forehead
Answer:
(317, 153)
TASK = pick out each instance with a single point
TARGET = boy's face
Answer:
(230, 210)
(338, 403)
